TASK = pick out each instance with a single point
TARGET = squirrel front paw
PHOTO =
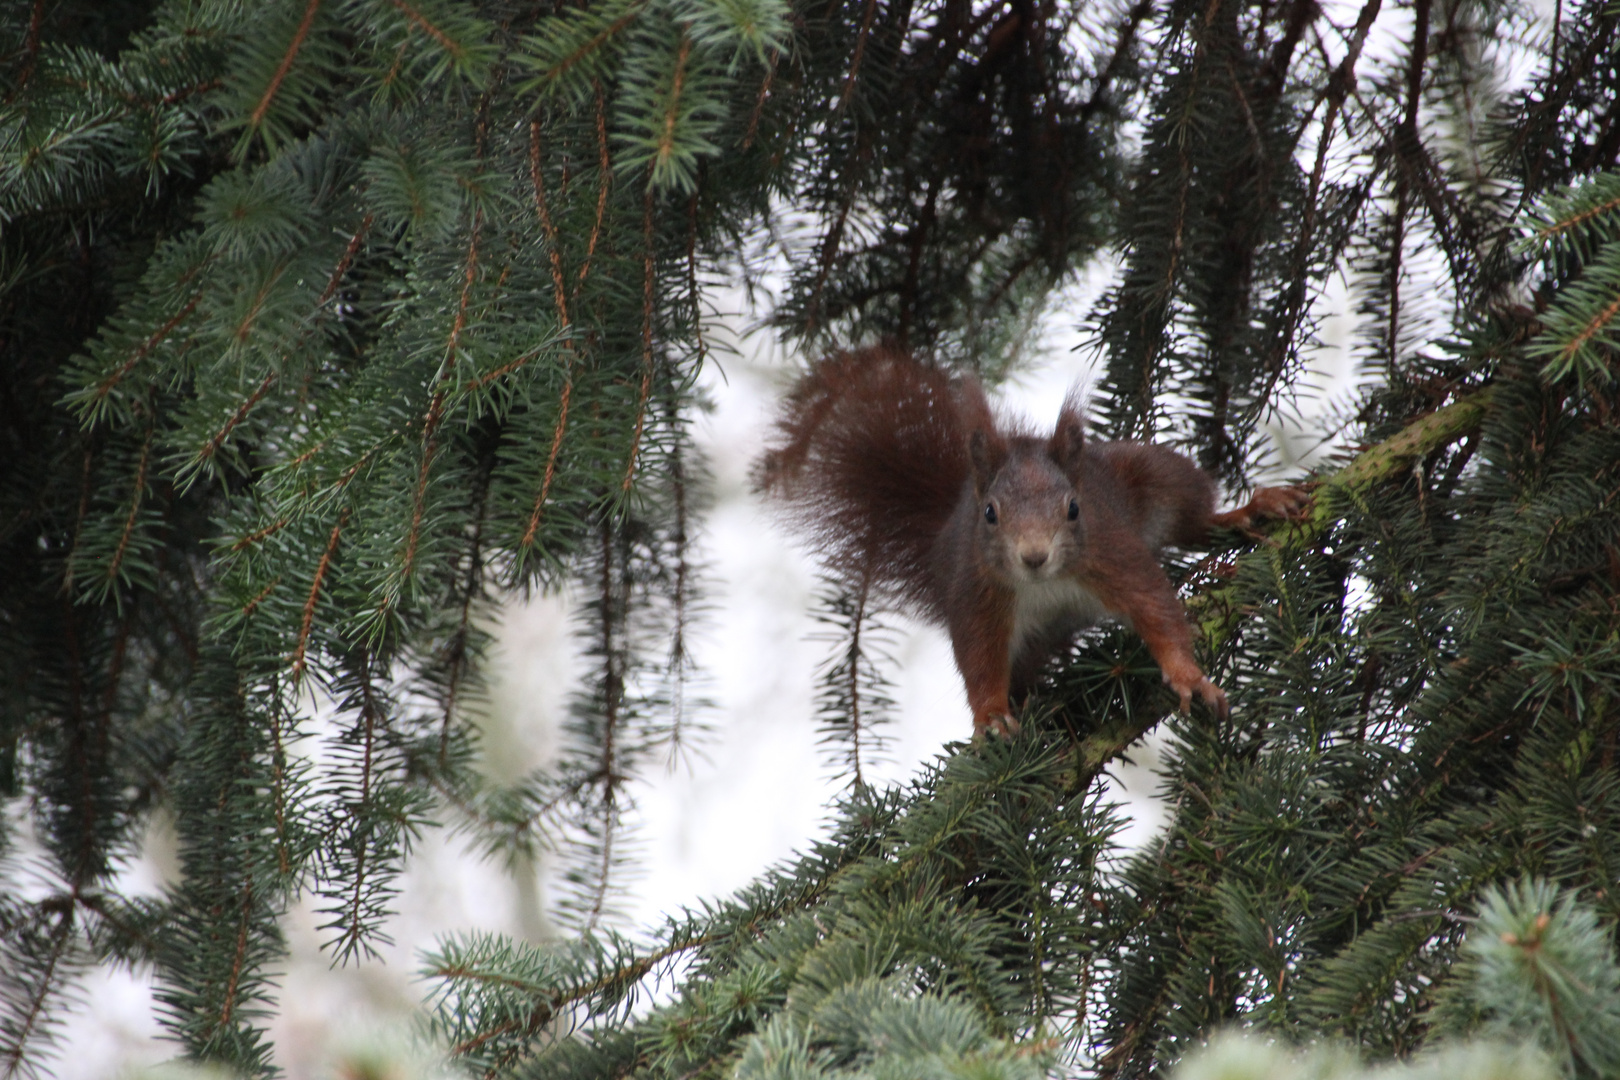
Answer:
(1001, 725)
(1186, 684)
(1288, 503)
(1213, 696)
(1285, 503)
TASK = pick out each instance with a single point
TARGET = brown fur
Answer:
(870, 460)
(887, 466)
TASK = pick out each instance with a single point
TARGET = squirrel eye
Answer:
(1074, 510)
(990, 512)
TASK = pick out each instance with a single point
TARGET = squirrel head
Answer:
(1028, 508)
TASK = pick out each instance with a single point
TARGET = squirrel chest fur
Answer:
(900, 477)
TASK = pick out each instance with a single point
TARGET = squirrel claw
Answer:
(1288, 503)
(1001, 725)
(1207, 692)
(1215, 698)
(1282, 503)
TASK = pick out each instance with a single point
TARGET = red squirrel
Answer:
(898, 472)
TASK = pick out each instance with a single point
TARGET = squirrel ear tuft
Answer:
(987, 455)
(1068, 441)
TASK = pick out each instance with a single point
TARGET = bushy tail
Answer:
(869, 458)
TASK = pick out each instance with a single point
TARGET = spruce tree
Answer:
(325, 324)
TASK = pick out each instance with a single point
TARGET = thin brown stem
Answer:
(604, 165)
(860, 51)
(445, 41)
(109, 381)
(308, 622)
(547, 225)
(13, 1055)
(557, 433)
(256, 118)
(647, 282)
(666, 140)
(233, 983)
(759, 102)
(136, 498)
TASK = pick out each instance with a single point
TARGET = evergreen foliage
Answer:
(1540, 964)
(326, 323)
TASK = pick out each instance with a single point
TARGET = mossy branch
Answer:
(1217, 610)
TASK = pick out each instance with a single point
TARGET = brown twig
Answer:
(257, 116)
(233, 983)
(604, 182)
(647, 282)
(860, 51)
(547, 225)
(134, 509)
(759, 102)
(666, 140)
(105, 386)
(445, 41)
(299, 652)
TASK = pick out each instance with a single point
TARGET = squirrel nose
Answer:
(1034, 559)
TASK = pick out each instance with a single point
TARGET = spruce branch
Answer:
(256, 117)
(460, 647)
(526, 545)
(672, 111)
(216, 441)
(554, 248)
(1335, 91)
(853, 703)
(604, 181)
(1538, 962)
(683, 602)
(435, 412)
(608, 774)
(281, 775)
(583, 40)
(32, 979)
(647, 304)
(36, 18)
(759, 101)
(115, 564)
(484, 963)
(299, 659)
(93, 405)
(414, 15)
(861, 37)
(1579, 217)
(1600, 287)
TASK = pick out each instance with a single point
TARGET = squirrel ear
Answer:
(987, 456)
(1068, 441)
